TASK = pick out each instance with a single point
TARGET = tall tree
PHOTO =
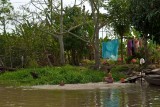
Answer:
(62, 58)
(119, 18)
(5, 13)
(5, 17)
(98, 23)
(74, 46)
(54, 19)
(53, 15)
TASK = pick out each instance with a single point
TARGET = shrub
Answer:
(118, 72)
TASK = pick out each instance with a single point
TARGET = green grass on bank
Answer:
(51, 75)
(54, 75)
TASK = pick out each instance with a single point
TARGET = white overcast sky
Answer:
(17, 3)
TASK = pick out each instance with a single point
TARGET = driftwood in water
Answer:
(131, 79)
(154, 71)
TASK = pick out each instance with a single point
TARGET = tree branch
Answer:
(78, 37)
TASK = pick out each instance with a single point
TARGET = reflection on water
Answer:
(130, 96)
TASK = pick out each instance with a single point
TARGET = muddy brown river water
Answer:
(131, 96)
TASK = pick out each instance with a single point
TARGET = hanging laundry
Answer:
(133, 46)
(110, 49)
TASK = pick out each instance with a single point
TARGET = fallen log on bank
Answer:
(3, 69)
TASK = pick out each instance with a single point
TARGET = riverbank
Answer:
(56, 75)
(87, 86)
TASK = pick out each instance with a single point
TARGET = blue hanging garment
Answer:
(110, 49)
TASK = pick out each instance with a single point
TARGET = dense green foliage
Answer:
(119, 16)
(145, 17)
(75, 47)
(37, 39)
(36, 42)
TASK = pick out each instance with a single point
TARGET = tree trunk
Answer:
(48, 60)
(97, 54)
(10, 53)
(62, 59)
(73, 53)
(145, 50)
(4, 26)
(69, 57)
(96, 33)
(121, 49)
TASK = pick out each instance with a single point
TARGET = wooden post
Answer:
(142, 61)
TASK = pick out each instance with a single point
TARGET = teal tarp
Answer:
(110, 49)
